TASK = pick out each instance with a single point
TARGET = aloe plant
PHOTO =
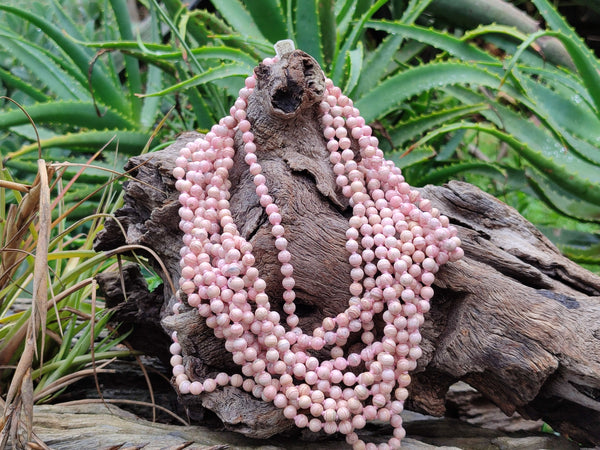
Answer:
(73, 95)
(545, 112)
(523, 127)
(550, 120)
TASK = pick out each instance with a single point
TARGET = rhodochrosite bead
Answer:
(396, 242)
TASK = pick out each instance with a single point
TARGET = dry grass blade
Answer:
(4, 425)
(17, 222)
(4, 184)
(20, 372)
(92, 334)
(40, 271)
(78, 174)
(37, 444)
(68, 291)
(148, 383)
(67, 380)
(19, 399)
(13, 431)
(27, 402)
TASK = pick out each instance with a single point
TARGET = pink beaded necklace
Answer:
(396, 242)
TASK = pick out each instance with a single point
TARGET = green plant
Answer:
(547, 115)
(479, 103)
(54, 330)
(433, 94)
(50, 323)
(73, 94)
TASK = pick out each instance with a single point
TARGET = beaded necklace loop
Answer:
(396, 242)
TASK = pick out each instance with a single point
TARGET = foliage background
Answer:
(503, 95)
(518, 119)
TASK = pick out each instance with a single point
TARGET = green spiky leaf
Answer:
(308, 29)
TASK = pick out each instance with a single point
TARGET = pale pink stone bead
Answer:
(315, 425)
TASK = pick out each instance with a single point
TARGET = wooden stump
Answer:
(514, 319)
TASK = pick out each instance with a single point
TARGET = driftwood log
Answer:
(105, 426)
(514, 318)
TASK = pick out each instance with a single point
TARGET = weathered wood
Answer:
(515, 319)
(106, 426)
(466, 403)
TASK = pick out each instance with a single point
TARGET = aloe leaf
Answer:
(54, 78)
(496, 28)
(569, 118)
(394, 90)
(355, 61)
(586, 63)
(217, 103)
(328, 29)
(159, 53)
(440, 175)
(289, 19)
(69, 28)
(158, 50)
(344, 17)
(538, 138)
(580, 246)
(308, 30)
(412, 129)
(560, 80)
(104, 89)
(112, 63)
(17, 83)
(216, 29)
(562, 200)
(402, 159)
(79, 114)
(205, 116)
(134, 79)
(175, 30)
(66, 23)
(444, 41)
(154, 80)
(584, 60)
(561, 167)
(263, 49)
(212, 74)
(60, 60)
(196, 28)
(349, 43)
(27, 131)
(236, 14)
(509, 45)
(377, 63)
(128, 142)
(268, 17)
(447, 151)
(413, 10)
(556, 22)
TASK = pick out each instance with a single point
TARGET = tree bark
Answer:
(514, 318)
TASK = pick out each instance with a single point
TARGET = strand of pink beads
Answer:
(396, 243)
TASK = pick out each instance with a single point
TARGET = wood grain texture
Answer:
(106, 426)
(515, 319)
